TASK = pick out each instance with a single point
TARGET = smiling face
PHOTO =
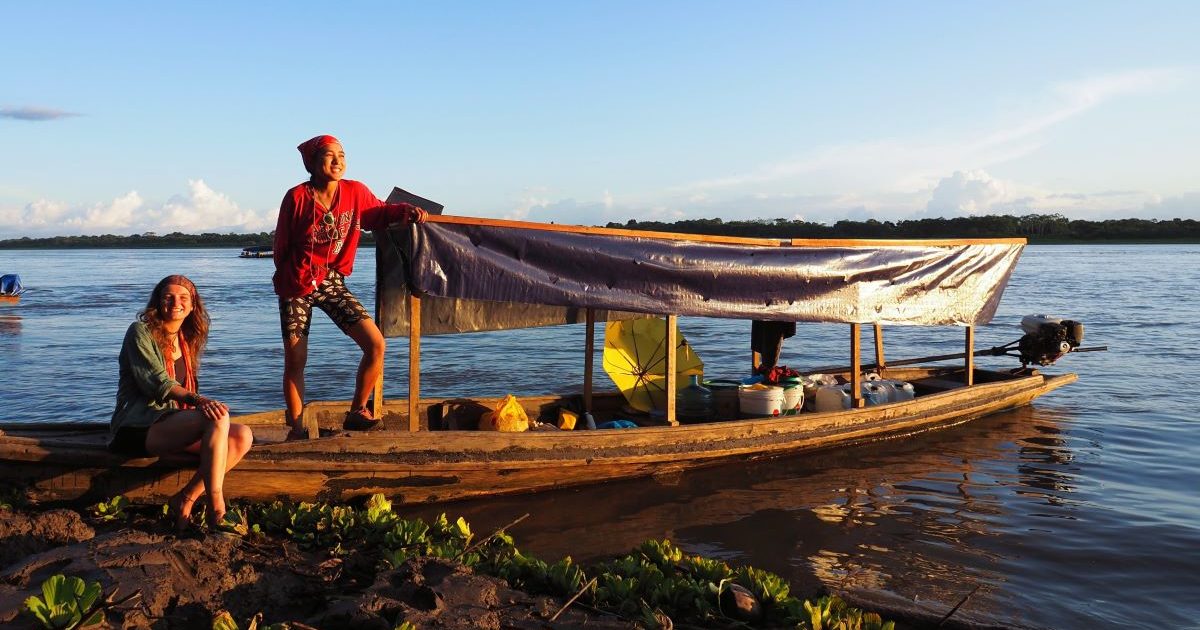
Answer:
(175, 304)
(328, 163)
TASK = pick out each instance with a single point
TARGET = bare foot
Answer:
(216, 508)
(179, 507)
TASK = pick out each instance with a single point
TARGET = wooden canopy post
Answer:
(589, 348)
(879, 348)
(414, 362)
(969, 379)
(672, 341)
(856, 399)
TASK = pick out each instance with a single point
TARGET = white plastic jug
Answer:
(811, 383)
(832, 398)
(875, 393)
(900, 391)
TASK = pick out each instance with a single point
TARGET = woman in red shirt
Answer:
(316, 239)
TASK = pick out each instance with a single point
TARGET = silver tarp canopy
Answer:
(500, 276)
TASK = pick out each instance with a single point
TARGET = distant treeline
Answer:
(149, 239)
(1038, 228)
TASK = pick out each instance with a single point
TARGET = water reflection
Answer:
(10, 325)
(926, 517)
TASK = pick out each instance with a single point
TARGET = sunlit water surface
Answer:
(1078, 512)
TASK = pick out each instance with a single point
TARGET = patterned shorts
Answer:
(332, 296)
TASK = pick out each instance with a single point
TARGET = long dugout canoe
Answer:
(70, 462)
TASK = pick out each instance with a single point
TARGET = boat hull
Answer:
(445, 465)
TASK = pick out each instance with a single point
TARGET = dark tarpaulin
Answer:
(887, 284)
(443, 315)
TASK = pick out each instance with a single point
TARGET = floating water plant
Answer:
(225, 621)
(111, 510)
(67, 602)
(657, 585)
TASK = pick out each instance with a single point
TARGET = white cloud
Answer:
(531, 199)
(200, 209)
(203, 209)
(1185, 206)
(965, 192)
(1077, 97)
(961, 193)
(889, 172)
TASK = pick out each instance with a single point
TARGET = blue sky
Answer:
(125, 117)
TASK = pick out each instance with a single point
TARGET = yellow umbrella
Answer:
(635, 359)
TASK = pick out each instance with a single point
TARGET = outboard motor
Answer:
(1048, 338)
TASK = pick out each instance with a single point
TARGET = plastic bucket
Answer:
(793, 398)
(725, 397)
(759, 402)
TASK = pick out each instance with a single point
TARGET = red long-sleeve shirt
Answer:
(311, 239)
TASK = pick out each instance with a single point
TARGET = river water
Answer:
(1081, 511)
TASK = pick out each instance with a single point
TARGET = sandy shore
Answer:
(184, 581)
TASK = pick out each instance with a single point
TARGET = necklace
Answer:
(323, 197)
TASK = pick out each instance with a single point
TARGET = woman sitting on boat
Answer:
(316, 238)
(159, 410)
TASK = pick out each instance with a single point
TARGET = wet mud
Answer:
(183, 581)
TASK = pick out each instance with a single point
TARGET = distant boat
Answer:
(10, 289)
(258, 251)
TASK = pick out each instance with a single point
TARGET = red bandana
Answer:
(308, 149)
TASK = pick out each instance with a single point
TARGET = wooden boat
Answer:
(420, 458)
(257, 251)
(58, 462)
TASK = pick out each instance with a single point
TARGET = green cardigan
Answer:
(143, 384)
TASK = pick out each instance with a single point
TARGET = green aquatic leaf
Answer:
(378, 510)
(111, 510)
(224, 621)
(66, 602)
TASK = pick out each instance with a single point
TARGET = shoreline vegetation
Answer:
(285, 565)
(1039, 229)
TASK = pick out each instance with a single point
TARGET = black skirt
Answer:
(130, 441)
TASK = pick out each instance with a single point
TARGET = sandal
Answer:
(296, 433)
(361, 420)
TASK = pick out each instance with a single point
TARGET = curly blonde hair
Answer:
(195, 327)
